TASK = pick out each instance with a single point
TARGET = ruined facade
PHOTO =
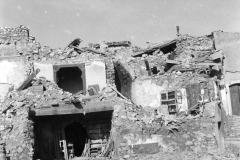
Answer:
(114, 100)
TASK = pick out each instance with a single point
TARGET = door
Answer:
(235, 100)
(193, 94)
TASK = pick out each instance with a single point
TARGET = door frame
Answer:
(228, 96)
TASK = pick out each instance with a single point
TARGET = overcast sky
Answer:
(57, 22)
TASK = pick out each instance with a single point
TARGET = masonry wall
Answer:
(17, 134)
(194, 138)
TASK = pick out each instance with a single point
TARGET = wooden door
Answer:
(235, 98)
(193, 94)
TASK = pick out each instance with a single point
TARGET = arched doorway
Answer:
(76, 136)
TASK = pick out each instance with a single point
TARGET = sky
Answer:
(56, 23)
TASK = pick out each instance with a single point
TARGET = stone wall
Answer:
(143, 134)
(18, 135)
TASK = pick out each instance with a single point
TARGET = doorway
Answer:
(76, 137)
(235, 99)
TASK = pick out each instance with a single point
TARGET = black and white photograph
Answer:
(119, 80)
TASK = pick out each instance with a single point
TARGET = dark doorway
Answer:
(235, 98)
(70, 79)
(76, 135)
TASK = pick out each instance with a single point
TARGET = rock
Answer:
(189, 143)
(20, 149)
(126, 156)
(186, 136)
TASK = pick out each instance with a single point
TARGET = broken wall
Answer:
(17, 133)
(145, 134)
(14, 71)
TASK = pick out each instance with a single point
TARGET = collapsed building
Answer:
(176, 100)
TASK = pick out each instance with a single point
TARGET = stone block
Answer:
(149, 148)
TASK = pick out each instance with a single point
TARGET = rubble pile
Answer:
(10, 35)
(138, 132)
(17, 132)
(178, 80)
(50, 95)
(186, 134)
(193, 49)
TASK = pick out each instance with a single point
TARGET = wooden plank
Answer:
(97, 145)
(102, 126)
(172, 61)
(99, 131)
(154, 48)
(27, 81)
(97, 141)
(216, 55)
(71, 109)
(101, 121)
(208, 64)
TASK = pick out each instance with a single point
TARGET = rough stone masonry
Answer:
(166, 101)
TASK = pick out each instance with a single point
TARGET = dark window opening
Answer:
(70, 79)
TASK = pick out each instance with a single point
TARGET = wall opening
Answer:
(70, 79)
(76, 137)
(65, 136)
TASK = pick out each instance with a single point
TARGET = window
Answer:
(171, 99)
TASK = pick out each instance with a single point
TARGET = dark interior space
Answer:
(76, 136)
(169, 48)
(117, 80)
(71, 131)
(69, 79)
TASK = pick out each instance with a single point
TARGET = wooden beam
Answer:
(72, 109)
(29, 79)
(154, 48)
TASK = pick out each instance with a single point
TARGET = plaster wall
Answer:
(222, 39)
(13, 71)
(146, 93)
(4, 89)
(95, 74)
(46, 70)
(184, 105)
